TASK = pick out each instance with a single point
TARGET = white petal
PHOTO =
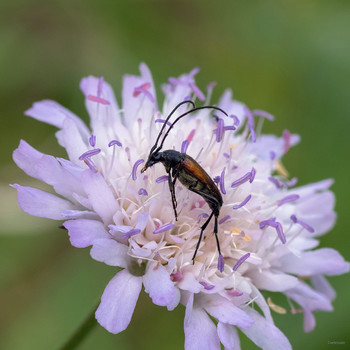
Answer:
(100, 195)
(110, 252)
(83, 232)
(132, 105)
(118, 302)
(39, 203)
(71, 139)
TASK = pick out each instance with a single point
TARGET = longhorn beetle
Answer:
(184, 168)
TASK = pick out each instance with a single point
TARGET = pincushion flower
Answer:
(268, 227)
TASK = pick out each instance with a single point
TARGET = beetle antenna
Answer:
(183, 115)
(166, 120)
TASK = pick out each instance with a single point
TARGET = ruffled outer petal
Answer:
(200, 331)
(159, 286)
(110, 252)
(83, 233)
(265, 334)
(39, 203)
(48, 169)
(53, 113)
(118, 302)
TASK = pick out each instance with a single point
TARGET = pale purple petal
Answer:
(25, 156)
(158, 285)
(200, 331)
(100, 195)
(228, 336)
(53, 113)
(322, 261)
(118, 302)
(321, 285)
(110, 252)
(82, 232)
(273, 281)
(265, 334)
(39, 203)
(225, 311)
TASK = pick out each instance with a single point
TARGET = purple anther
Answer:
(246, 177)
(286, 140)
(240, 261)
(235, 119)
(142, 192)
(240, 205)
(291, 183)
(274, 181)
(131, 233)
(164, 228)
(134, 168)
(280, 233)
(229, 127)
(184, 146)
(287, 199)
(272, 155)
(261, 113)
(90, 164)
(90, 153)
(144, 89)
(269, 222)
(294, 218)
(226, 155)
(197, 91)
(162, 121)
(222, 182)
(177, 276)
(92, 140)
(99, 87)
(219, 131)
(234, 292)
(200, 216)
(225, 218)
(191, 135)
(98, 100)
(276, 225)
(252, 175)
(221, 263)
(162, 179)
(216, 179)
(303, 224)
(207, 286)
(211, 85)
(115, 142)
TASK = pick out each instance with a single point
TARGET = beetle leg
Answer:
(201, 234)
(171, 183)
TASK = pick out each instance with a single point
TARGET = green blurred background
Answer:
(290, 58)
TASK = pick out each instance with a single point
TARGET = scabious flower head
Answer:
(268, 228)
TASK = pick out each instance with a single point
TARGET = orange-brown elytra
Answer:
(182, 167)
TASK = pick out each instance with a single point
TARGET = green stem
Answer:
(81, 333)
